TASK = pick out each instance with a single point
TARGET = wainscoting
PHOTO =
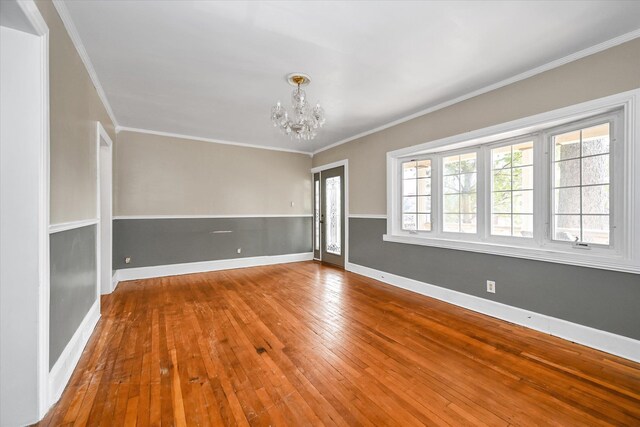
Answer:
(166, 241)
(74, 308)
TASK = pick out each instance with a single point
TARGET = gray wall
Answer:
(172, 241)
(73, 284)
(600, 299)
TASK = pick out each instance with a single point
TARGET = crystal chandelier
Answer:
(304, 122)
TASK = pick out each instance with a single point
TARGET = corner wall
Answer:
(75, 107)
(21, 225)
(596, 298)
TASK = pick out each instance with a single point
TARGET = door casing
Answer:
(345, 241)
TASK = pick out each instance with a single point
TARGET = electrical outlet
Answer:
(292, 204)
(491, 286)
(239, 250)
(127, 260)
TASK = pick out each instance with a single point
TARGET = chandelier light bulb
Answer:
(306, 120)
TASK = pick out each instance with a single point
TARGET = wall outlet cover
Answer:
(491, 286)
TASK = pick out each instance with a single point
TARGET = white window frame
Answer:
(477, 236)
(401, 179)
(623, 254)
(538, 182)
(617, 242)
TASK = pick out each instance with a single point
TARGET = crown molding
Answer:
(75, 38)
(210, 216)
(215, 141)
(65, 16)
(522, 76)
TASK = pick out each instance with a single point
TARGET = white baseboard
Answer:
(590, 337)
(61, 372)
(114, 282)
(201, 267)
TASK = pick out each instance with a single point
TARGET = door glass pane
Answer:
(334, 214)
(316, 215)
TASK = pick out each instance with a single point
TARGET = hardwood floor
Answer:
(305, 344)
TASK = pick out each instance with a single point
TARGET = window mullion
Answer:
(436, 211)
(481, 192)
(543, 202)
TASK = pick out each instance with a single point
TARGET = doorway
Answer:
(330, 211)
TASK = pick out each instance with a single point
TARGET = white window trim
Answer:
(625, 257)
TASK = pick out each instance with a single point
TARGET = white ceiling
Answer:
(214, 69)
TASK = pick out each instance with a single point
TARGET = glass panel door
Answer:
(332, 216)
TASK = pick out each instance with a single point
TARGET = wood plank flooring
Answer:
(305, 344)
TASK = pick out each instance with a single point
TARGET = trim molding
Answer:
(368, 216)
(585, 335)
(61, 7)
(522, 76)
(61, 372)
(211, 216)
(530, 253)
(64, 226)
(202, 139)
(137, 273)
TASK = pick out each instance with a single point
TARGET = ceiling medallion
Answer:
(304, 122)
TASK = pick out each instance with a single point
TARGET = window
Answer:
(459, 185)
(416, 195)
(581, 201)
(561, 186)
(512, 190)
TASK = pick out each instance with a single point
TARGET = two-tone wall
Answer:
(75, 107)
(181, 201)
(604, 300)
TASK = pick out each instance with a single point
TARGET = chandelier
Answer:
(304, 122)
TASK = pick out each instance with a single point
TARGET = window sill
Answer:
(580, 257)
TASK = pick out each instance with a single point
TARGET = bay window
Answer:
(558, 186)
